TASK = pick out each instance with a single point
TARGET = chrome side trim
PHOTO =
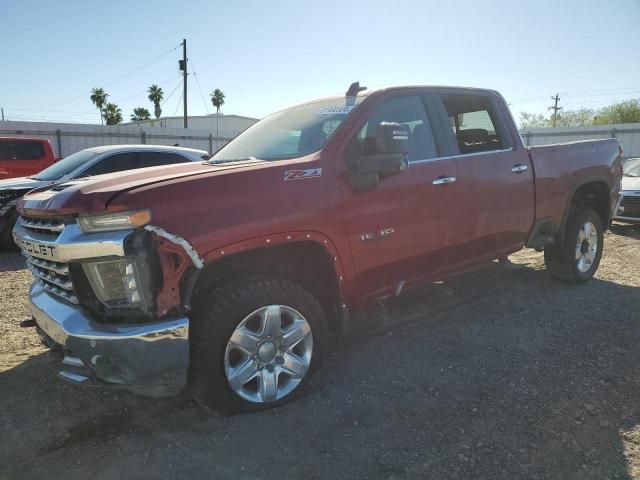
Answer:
(189, 250)
(627, 219)
(462, 155)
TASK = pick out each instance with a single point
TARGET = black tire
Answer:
(6, 240)
(214, 318)
(561, 260)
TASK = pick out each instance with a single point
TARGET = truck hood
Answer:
(631, 183)
(21, 183)
(93, 194)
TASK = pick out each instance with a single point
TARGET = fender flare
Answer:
(572, 192)
(279, 239)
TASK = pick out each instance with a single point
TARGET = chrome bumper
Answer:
(141, 355)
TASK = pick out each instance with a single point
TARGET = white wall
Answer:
(68, 138)
(627, 133)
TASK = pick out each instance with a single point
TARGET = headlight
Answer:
(110, 222)
(117, 283)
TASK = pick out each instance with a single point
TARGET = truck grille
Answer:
(47, 228)
(52, 276)
(631, 206)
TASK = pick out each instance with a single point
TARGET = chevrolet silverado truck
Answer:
(235, 275)
(82, 165)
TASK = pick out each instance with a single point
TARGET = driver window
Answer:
(407, 110)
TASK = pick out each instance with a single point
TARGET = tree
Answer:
(112, 114)
(533, 120)
(217, 98)
(575, 118)
(140, 114)
(621, 112)
(99, 98)
(155, 96)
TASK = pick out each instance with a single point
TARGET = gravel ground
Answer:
(500, 373)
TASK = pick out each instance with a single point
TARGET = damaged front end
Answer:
(113, 293)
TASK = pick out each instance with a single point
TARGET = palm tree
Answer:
(99, 98)
(217, 98)
(140, 114)
(112, 114)
(155, 96)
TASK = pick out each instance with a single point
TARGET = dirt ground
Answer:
(501, 373)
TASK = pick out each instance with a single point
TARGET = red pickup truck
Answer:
(21, 157)
(236, 274)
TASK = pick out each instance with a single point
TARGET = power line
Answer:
(113, 81)
(193, 68)
(178, 105)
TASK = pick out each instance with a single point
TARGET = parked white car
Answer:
(629, 201)
(85, 163)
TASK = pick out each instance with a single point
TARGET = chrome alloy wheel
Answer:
(586, 246)
(268, 354)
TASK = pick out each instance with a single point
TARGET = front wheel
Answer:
(254, 344)
(577, 260)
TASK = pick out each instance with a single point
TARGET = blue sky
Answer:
(266, 55)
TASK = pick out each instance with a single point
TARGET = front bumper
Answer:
(141, 355)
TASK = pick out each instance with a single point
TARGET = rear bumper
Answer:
(628, 206)
(141, 355)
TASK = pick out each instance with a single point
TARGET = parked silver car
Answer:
(629, 200)
(85, 163)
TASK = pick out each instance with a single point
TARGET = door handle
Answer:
(443, 180)
(519, 168)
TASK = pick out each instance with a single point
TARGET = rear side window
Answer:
(407, 110)
(11, 150)
(475, 123)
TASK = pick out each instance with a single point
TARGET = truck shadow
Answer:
(498, 373)
(626, 229)
(11, 262)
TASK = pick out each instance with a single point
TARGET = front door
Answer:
(399, 230)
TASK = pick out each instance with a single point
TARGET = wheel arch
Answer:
(594, 193)
(306, 258)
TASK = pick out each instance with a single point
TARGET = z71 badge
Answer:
(302, 174)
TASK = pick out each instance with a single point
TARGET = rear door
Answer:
(21, 158)
(496, 190)
(400, 230)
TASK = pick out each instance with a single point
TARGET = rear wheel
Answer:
(255, 344)
(577, 260)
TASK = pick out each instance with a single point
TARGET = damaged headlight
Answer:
(118, 283)
(111, 222)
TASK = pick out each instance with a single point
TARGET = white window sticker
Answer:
(336, 110)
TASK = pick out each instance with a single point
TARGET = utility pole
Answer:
(555, 109)
(2, 114)
(183, 68)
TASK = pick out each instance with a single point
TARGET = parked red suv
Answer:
(242, 270)
(21, 157)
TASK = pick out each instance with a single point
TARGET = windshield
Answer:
(290, 133)
(632, 167)
(64, 166)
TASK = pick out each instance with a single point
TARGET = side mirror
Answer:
(389, 157)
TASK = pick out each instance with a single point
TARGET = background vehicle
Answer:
(629, 205)
(84, 164)
(20, 157)
(241, 270)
